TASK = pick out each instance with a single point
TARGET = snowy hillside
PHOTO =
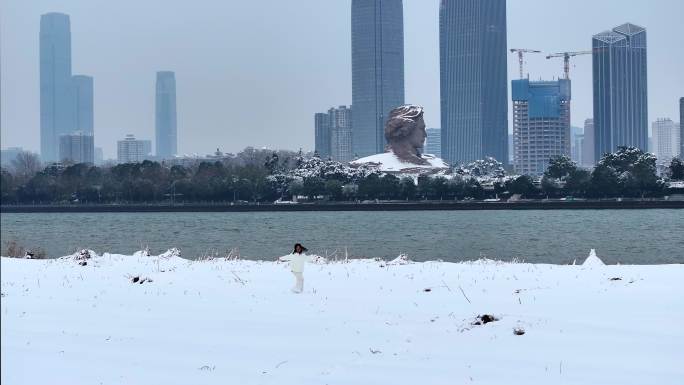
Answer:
(139, 319)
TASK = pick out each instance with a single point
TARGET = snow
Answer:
(389, 162)
(227, 321)
(593, 259)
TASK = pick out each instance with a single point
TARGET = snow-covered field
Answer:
(362, 322)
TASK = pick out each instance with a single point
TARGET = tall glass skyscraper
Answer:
(322, 134)
(681, 128)
(166, 134)
(56, 108)
(473, 80)
(620, 89)
(83, 103)
(433, 142)
(377, 29)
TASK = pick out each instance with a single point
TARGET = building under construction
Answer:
(541, 123)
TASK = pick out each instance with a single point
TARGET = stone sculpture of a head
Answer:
(405, 133)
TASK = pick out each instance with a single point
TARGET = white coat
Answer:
(297, 261)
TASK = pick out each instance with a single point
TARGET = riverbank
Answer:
(345, 206)
(232, 321)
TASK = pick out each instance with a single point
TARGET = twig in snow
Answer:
(280, 363)
(374, 351)
(445, 285)
(238, 278)
(464, 294)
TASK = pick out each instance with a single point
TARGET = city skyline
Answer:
(123, 66)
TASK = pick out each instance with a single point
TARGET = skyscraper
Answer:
(681, 128)
(131, 150)
(433, 142)
(322, 134)
(541, 123)
(98, 156)
(473, 80)
(577, 148)
(588, 158)
(56, 109)
(377, 34)
(620, 89)
(340, 123)
(666, 139)
(77, 147)
(166, 133)
(83, 103)
(576, 140)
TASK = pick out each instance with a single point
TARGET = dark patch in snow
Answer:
(140, 280)
(83, 263)
(484, 319)
(82, 255)
(518, 331)
(374, 351)
(616, 279)
(427, 290)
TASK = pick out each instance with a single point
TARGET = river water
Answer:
(553, 236)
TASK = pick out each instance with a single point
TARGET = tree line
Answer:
(265, 176)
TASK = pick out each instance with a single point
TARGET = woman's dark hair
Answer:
(300, 245)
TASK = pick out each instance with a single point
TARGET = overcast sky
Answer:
(255, 72)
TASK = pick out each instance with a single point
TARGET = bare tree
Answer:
(26, 165)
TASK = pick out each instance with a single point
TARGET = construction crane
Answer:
(566, 59)
(520, 52)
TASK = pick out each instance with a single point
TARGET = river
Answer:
(540, 236)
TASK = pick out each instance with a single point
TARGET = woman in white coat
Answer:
(297, 260)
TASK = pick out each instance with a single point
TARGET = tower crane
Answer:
(566, 59)
(520, 52)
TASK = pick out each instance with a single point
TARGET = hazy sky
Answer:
(255, 72)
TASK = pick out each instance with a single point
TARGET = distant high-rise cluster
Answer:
(334, 134)
(666, 139)
(473, 80)
(9, 154)
(620, 89)
(66, 101)
(541, 123)
(377, 35)
(166, 133)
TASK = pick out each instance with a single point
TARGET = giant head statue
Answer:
(405, 133)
